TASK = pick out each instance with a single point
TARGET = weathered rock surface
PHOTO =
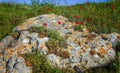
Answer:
(85, 49)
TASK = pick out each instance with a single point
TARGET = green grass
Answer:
(100, 18)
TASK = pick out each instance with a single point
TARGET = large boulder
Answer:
(83, 49)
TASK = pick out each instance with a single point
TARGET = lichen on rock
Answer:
(55, 37)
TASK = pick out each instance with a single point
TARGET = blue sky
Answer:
(56, 2)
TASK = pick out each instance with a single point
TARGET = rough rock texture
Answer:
(85, 49)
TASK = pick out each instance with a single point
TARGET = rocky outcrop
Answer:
(83, 49)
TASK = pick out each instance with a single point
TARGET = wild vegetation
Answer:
(100, 18)
(40, 64)
(56, 41)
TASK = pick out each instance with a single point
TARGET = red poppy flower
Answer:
(82, 23)
(81, 8)
(59, 22)
(44, 24)
(76, 23)
(113, 7)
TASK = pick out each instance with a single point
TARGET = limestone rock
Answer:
(85, 49)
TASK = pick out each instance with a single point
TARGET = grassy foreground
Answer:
(100, 18)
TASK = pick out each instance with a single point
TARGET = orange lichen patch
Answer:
(1, 55)
(93, 52)
(1, 68)
(4, 63)
(24, 49)
(84, 50)
(30, 46)
(108, 46)
(9, 50)
(69, 47)
(22, 26)
(102, 50)
(86, 46)
(9, 55)
(20, 48)
(100, 54)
